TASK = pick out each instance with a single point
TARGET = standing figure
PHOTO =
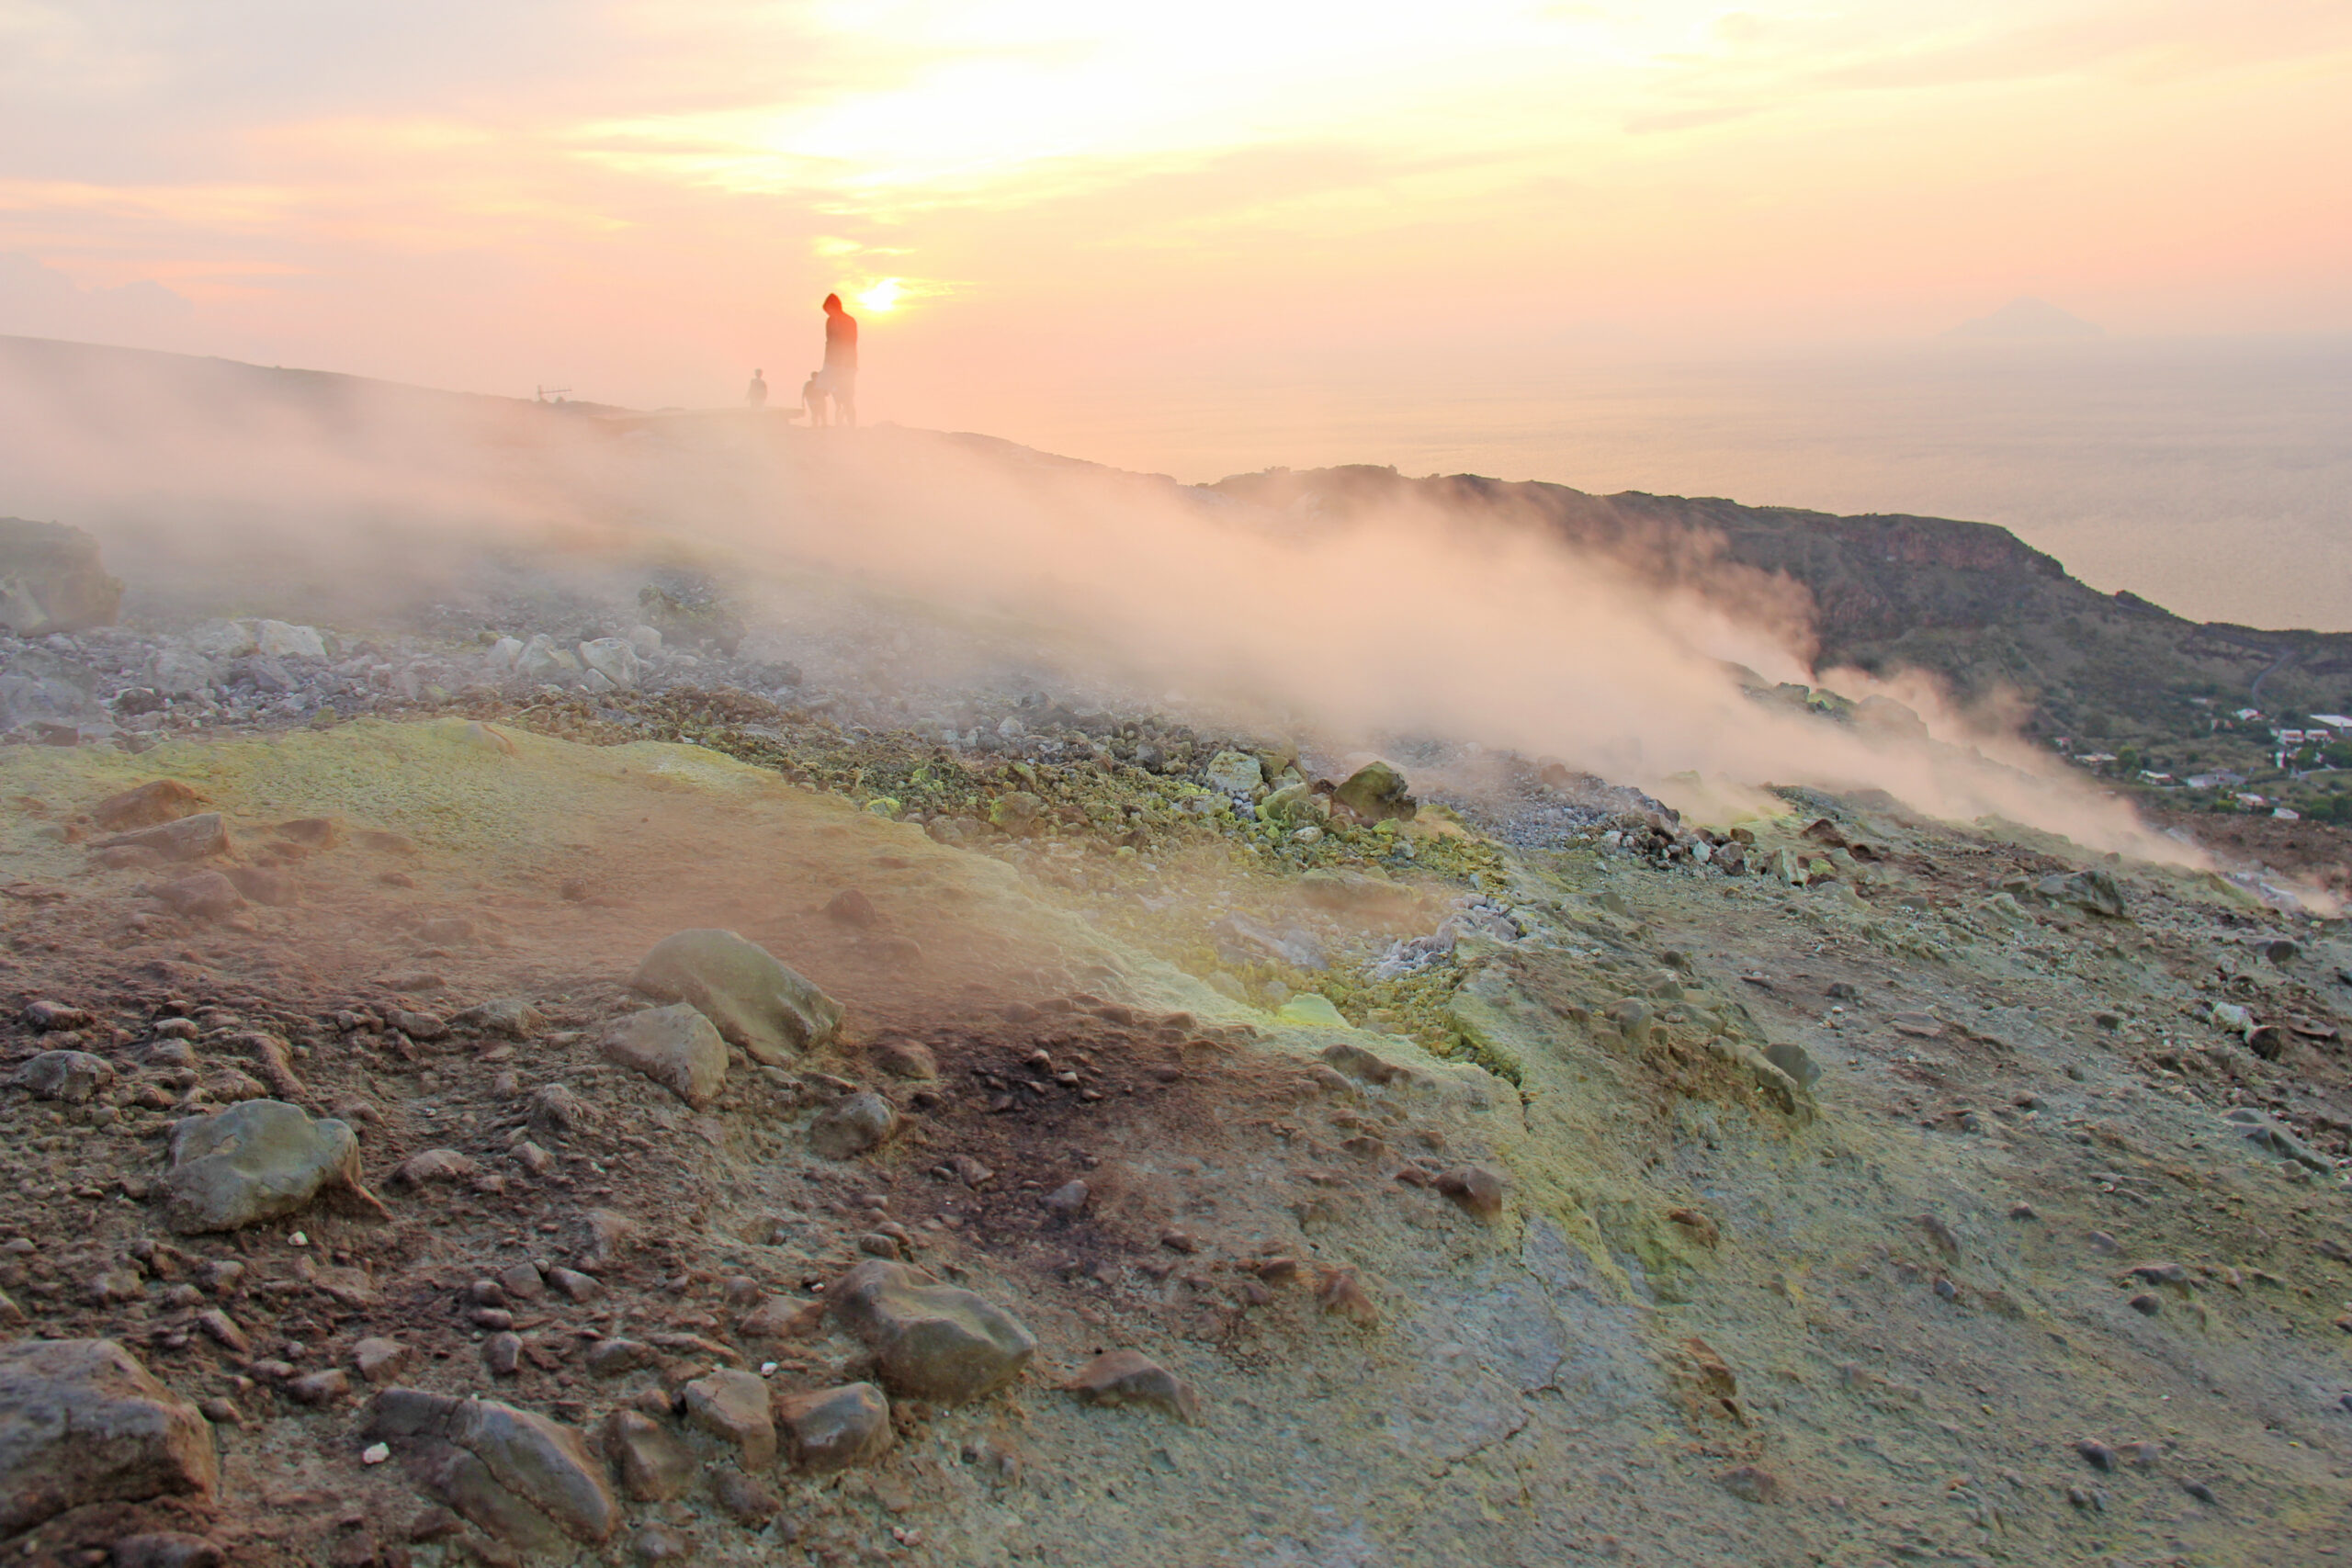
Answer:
(757, 393)
(841, 360)
(812, 397)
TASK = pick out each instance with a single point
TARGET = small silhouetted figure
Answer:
(757, 393)
(812, 397)
(841, 360)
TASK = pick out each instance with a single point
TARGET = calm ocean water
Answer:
(2214, 477)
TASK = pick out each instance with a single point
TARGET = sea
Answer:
(2213, 476)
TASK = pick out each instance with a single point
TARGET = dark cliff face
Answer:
(1970, 603)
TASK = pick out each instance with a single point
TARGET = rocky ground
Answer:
(1107, 1136)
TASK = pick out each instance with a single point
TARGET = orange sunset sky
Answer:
(641, 200)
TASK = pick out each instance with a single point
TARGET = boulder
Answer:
(255, 1162)
(223, 639)
(52, 580)
(1378, 792)
(70, 1075)
(1311, 1010)
(190, 837)
(1130, 1377)
(82, 1422)
(852, 1124)
(935, 1342)
(516, 1473)
(1294, 803)
(732, 1406)
(755, 1002)
(675, 1046)
(834, 1428)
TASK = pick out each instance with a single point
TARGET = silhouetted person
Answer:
(841, 360)
(757, 393)
(812, 397)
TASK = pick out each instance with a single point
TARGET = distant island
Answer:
(2026, 319)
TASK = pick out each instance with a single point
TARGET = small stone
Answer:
(1129, 1376)
(849, 1127)
(1341, 1294)
(613, 1357)
(852, 908)
(2146, 1305)
(656, 1542)
(2203, 1492)
(676, 1047)
(742, 1499)
(1378, 792)
(501, 1353)
(204, 896)
(319, 1388)
(431, 1165)
(577, 1288)
(50, 1017)
(836, 1427)
(1179, 1241)
(166, 1549)
(223, 1330)
(1068, 1201)
(651, 1462)
(73, 1077)
(1946, 1239)
(1476, 1190)
(970, 1172)
(935, 1342)
(2159, 1273)
(188, 837)
(381, 1360)
(521, 1281)
(375, 1453)
(905, 1059)
(147, 805)
(2097, 1455)
(2023, 1210)
(2102, 1241)
(1751, 1484)
(732, 1406)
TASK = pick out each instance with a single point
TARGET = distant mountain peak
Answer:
(2026, 318)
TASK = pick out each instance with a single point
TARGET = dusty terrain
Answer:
(1712, 1321)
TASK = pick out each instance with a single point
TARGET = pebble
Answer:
(502, 1354)
(850, 1126)
(1129, 1376)
(2023, 1211)
(2102, 1241)
(2146, 1305)
(1341, 1294)
(1751, 1484)
(744, 1500)
(732, 1406)
(1068, 1200)
(836, 1427)
(2099, 1456)
(1476, 1190)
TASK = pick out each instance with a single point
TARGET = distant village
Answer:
(2288, 765)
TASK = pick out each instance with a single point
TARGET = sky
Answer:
(641, 201)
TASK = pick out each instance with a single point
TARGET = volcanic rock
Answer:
(935, 1342)
(188, 837)
(835, 1428)
(675, 1046)
(732, 1406)
(254, 1162)
(52, 580)
(1130, 1377)
(755, 1001)
(517, 1475)
(148, 805)
(850, 1126)
(1378, 792)
(652, 1462)
(70, 1075)
(83, 1422)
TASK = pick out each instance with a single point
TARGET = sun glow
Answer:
(883, 296)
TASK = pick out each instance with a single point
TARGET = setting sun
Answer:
(883, 296)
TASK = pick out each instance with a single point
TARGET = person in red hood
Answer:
(841, 360)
